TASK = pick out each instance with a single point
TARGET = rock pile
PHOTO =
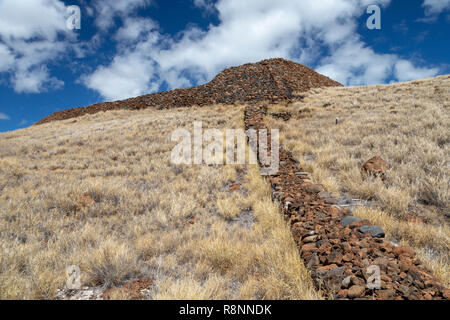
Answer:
(343, 252)
(282, 115)
(273, 80)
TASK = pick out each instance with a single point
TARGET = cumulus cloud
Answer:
(34, 80)
(207, 5)
(107, 10)
(3, 116)
(355, 64)
(405, 71)
(322, 34)
(29, 18)
(6, 58)
(131, 71)
(134, 28)
(29, 31)
(127, 76)
(435, 7)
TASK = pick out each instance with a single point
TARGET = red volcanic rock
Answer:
(446, 294)
(404, 251)
(356, 291)
(309, 247)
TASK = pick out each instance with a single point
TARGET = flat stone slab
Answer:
(300, 173)
(374, 231)
(324, 194)
(349, 220)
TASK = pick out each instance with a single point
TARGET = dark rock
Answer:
(314, 188)
(330, 201)
(324, 194)
(332, 278)
(349, 220)
(313, 262)
(346, 282)
(374, 231)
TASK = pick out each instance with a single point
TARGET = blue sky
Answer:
(128, 48)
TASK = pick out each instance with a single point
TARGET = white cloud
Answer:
(322, 34)
(355, 64)
(435, 7)
(107, 10)
(31, 18)
(130, 72)
(4, 116)
(134, 28)
(405, 71)
(127, 76)
(206, 5)
(30, 73)
(35, 80)
(29, 31)
(6, 58)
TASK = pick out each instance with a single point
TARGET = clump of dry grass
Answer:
(407, 125)
(112, 263)
(102, 194)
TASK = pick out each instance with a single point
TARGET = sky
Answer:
(127, 48)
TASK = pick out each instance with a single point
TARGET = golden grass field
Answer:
(407, 124)
(100, 192)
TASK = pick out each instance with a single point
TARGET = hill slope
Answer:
(406, 124)
(117, 207)
(272, 79)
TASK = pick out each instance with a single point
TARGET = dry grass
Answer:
(100, 192)
(407, 124)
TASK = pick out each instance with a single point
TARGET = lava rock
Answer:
(349, 220)
(374, 231)
(346, 282)
(356, 291)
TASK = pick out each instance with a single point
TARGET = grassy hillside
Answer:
(100, 192)
(406, 124)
